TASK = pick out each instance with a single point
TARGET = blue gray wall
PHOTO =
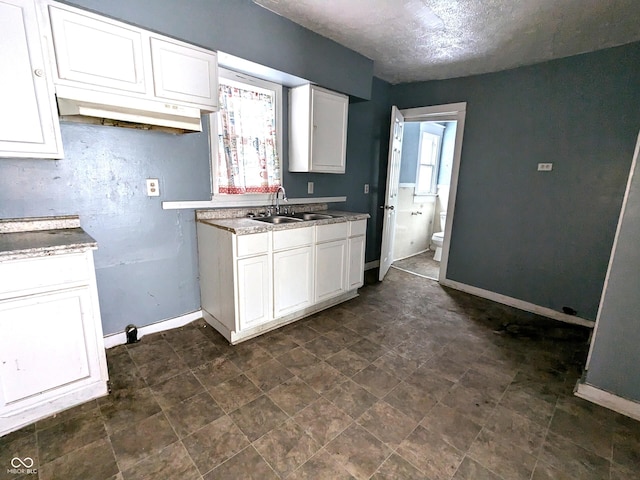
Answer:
(147, 258)
(615, 355)
(543, 238)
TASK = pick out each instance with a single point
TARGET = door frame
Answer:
(444, 113)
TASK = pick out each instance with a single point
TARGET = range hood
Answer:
(79, 103)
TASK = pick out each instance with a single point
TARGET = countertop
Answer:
(245, 225)
(42, 236)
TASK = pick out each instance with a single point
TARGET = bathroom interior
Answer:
(423, 193)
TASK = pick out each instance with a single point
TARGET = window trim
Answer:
(436, 166)
(231, 77)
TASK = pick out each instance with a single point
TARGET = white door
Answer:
(96, 51)
(391, 195)
(185, 73)
(45, 345)
(292, 280)
(28, 117)
(330, 269)
(328, 131)
(253, 291)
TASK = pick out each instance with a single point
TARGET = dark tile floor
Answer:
(408, 381)
(420, 264)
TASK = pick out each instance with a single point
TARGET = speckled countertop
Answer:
(42, 236)
(245, 226)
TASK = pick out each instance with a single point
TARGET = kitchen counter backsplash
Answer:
(225, 213)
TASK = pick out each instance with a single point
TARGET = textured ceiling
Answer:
(413, 40)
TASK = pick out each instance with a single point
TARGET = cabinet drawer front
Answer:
(29, 275)
(296, 237)
(252, 244)
(334, 231)
(359, 227)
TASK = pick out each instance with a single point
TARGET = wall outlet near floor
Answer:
(366, 188)
(309, 187)
(545, 167)
(153, 187)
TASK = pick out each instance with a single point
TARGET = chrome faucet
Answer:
(284, 198)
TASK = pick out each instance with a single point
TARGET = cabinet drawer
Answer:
(295, 237)
(359, 227)
(252, 244)
(333, 231)
(36, 273)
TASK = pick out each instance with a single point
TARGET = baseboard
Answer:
(116, 339)
(608, 400)
(372, 265)
(516, 303)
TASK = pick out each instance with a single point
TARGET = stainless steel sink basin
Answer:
(312, 216)
(277, 219)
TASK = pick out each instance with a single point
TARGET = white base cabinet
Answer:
(52, 354)
(254, 283)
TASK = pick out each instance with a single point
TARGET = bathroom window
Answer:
(246, 137)
(427, 174)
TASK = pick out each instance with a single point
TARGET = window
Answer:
(427, 174)
(246, 136)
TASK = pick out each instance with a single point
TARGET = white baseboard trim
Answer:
(608, 400)
(372, 265)
(520, 304)
(116, 339)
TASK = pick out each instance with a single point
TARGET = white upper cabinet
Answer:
(318, 130)
(96, 51)
(185, 73)
(99, 54)
(28, 117)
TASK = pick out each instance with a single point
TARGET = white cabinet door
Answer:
(355, 277)
(98, 52)
(253, 291)
(329, 131)
(330, 269)
(292, 280)
(28, 116)
(47, 347)
(185, 73)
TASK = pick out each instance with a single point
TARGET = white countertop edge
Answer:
(193, 204)
(32, 224)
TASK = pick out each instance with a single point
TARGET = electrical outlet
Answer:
(309, 187)
(545, 167)
(366, 188)
(153, 187)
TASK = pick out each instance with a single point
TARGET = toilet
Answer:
(438, 238)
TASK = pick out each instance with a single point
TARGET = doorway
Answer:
(424, 159)
(423, 194)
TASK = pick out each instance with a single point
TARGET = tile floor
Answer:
(420, 264)
(408, 381)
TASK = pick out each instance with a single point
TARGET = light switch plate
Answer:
(545, 167)
(153, 187)
(366, 188)
(309, 187)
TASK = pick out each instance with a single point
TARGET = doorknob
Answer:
(387, 207)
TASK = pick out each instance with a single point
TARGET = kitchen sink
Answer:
(312, 216)
(277, 219)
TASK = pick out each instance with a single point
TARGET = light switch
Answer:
(366, 188)
(309, 187)
(153, 187)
